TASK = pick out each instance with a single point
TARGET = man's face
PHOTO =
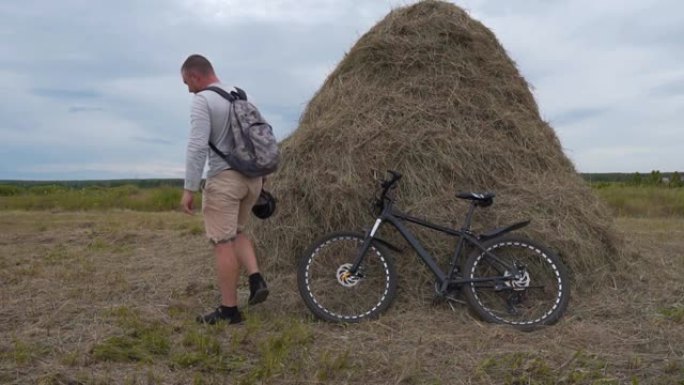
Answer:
(192, 80)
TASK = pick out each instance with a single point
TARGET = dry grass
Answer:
(110, 297)
(431, 93)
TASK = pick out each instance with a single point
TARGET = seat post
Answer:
(469, 217)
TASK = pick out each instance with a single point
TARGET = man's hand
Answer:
(186, 202)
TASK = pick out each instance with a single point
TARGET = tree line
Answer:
(654, 178)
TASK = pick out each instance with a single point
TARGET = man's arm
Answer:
(196, 154)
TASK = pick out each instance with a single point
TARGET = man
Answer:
(227, 197)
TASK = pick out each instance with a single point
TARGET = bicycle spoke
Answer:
(530, 294)
(336, 293)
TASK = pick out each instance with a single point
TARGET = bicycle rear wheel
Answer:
(538, 297)
(332, 292)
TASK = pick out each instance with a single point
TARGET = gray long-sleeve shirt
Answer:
(209, 121)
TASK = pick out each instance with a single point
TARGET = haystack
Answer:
(431, 93)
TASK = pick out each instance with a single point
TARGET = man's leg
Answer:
(244, 248)
(220, 206)
(228, 272)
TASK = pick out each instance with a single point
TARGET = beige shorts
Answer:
(227, 201)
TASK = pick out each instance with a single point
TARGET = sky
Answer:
(91, 89)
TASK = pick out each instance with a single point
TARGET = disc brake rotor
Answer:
(521, 283)
(345, 277)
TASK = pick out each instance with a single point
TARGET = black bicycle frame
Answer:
(396, 218)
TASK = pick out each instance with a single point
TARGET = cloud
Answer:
(607, 75)
(95, 86)
(577, 115)
(62, 94)
(291, 12)
(152, 140)
(631, 159)
(78, 109)
(109, 170)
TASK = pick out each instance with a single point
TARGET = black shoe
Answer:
(217, 315)
(257, 291)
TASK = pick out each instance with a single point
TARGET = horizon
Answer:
(180, 179)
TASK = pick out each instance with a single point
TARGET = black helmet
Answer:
(265, 206)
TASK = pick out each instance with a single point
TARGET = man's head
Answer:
(197, 73)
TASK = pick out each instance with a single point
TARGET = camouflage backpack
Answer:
(253, 149)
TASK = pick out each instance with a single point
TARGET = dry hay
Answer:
(431, 93)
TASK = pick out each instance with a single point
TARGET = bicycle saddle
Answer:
(481, 199)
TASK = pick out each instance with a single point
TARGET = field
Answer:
(99, 295)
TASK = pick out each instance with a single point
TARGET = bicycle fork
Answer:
(364, 247)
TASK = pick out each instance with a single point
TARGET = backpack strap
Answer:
(238, 94)
(221, 92)
(231, 97)
(218, 152)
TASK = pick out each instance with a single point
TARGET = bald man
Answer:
(227, 197)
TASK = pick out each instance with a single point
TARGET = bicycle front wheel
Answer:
(538, 296)
(332, 292)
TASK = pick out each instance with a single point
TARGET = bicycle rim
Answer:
(332, 294)
(524, 304)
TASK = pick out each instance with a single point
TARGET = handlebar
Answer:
(387, 184)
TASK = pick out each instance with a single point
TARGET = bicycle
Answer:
(350, 276)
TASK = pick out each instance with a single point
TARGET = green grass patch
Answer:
(624, 199)
(642, 201)
(57, 197)
(282, 348)
(514, 368)
(58, 255)
(674, 313)
(332, 365)
(10, 190)
(206, 362)
(98, 244)
(532, 368)
(276, 348)
(196, 229)
(202, 351)
(70, 358)
(121, 349)
(255, 351)
(141, 341)
(23, 353)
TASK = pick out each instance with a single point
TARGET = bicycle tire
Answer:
(525, 304)
(329, 296)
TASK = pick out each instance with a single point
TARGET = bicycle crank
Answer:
(450, 295)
